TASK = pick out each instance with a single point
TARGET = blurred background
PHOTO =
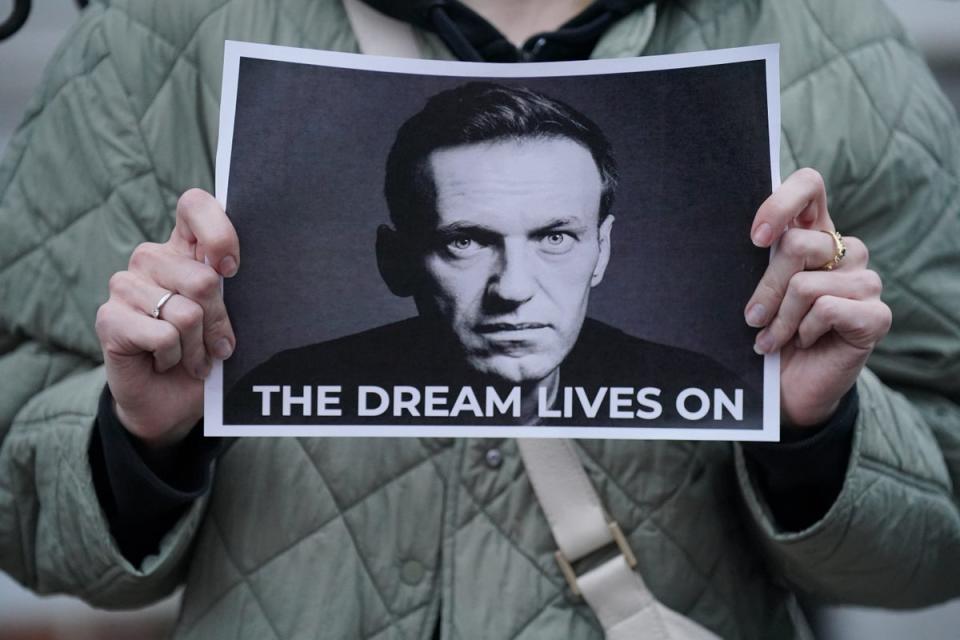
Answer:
(934, 25)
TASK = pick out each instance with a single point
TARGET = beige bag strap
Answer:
(614, 590)
(621, 601)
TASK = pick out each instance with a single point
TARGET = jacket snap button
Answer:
(494, 458)
(411, 572)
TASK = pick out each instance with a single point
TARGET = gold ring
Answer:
(162, 301)
(839, 250)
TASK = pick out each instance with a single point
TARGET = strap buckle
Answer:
(618, 538)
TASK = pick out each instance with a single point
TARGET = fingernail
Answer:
(763, 235)
(764, 343)
(204, 369)
(228, 267)
(222, 349)
(757, 315)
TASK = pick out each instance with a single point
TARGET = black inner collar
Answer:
(470, 37)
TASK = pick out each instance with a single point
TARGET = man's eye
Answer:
(463, 246)
(557, 242)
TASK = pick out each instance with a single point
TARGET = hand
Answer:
(825, 323)
(155, 367)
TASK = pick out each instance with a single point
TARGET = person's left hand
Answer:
(825, 323)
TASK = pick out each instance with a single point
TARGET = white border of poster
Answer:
(234, 51)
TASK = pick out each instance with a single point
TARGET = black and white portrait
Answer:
(490, 255)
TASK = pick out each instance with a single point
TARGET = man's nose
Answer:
(513, 279)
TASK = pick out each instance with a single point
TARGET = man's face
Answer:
(515, 250)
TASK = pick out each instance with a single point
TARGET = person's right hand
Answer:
(156, 367)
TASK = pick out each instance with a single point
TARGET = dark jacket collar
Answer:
(470, 37)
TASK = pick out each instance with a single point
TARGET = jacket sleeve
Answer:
(892, 166)
(54, 536)
(78, 191)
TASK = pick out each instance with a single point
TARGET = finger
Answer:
(195, 281)
(799, 250)
(860, 323)
(800, 200)
(125, 332)
(184, 314)
(856, 257)
(187, 316)
(802, 293)
(203, 230)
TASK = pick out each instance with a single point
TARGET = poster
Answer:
(446, 249)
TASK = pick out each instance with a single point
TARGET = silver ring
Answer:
(162, 301)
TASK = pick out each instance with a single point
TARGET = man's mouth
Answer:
(509, 327)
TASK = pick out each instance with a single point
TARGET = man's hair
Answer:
(482, 112)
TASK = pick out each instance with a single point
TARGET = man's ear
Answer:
(396, 261)
(606, 228)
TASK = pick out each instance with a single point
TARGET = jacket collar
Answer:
(470, 37)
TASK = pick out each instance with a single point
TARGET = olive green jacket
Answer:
(377, 539)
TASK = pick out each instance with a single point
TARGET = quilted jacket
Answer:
(377, 539)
